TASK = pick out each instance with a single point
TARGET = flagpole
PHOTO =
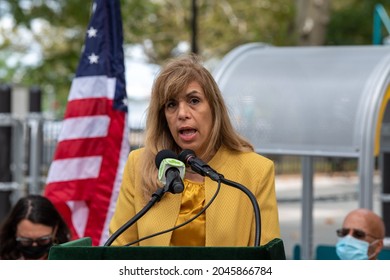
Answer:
(194, 29)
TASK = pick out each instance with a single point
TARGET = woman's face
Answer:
(34, 235)
(189, 119)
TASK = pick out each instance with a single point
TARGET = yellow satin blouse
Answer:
(193, 200)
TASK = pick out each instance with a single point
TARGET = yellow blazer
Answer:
(229, 219)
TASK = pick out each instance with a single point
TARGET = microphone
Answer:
(170, 171)
(188, 156)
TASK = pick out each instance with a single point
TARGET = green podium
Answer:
(81, 249)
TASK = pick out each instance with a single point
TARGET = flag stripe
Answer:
(74, 169)
(79, 211)
(84, 127)
(79, 148)
(92, 87)
(88, 107)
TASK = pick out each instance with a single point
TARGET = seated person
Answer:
(361, 237)
(31, 228)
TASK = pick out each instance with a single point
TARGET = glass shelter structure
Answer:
(312, 101)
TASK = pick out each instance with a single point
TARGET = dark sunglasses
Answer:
(41, 241)
(357, 233)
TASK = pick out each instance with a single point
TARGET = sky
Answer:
(139, 80)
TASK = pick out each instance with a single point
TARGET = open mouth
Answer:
(187, 131)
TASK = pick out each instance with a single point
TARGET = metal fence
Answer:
(284, 164)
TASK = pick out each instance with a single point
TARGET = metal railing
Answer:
(381, 18)
(35, 142)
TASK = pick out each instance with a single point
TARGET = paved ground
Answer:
(335, 196)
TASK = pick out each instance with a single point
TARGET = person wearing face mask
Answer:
(361, 237)
(31, 228)
(187, 111)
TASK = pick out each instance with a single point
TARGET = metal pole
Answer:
(380, 17)
(194, 28)
(385, 197)
(35, 100)
(307, 208)
(5, 150)
(36, 140)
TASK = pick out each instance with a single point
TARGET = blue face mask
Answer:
(350, 248)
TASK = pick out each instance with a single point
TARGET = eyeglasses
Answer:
(357, 233)
(41, 241)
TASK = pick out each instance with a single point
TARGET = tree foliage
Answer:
(351, 22)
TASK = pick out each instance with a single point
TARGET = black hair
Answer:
(38, 210)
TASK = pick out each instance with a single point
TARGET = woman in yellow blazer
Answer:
(187, 111)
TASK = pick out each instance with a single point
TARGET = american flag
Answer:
(84, 177)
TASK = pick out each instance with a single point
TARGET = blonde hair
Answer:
(173, 79)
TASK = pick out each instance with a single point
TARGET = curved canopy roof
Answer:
(305, 100)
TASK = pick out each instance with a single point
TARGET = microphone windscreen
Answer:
(163, 154)
(185, 154)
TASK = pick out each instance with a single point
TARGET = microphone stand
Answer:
(256, 207)
(155, 198)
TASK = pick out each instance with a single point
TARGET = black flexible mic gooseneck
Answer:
(188, 157)
(172, 186)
